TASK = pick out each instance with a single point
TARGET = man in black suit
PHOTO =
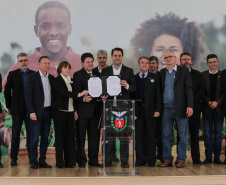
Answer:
(88, 110)
(213, 113)
(147, 112)
(153, 68)
(38, 98)
(128, 86)
(194, 120)
(177, 105)
(14, 96)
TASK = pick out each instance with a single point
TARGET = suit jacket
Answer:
(61, 94)
(183, 94)
(198, 88)
(152, 95)
(125, 74)
(223, 86)
(96, 71)
(34, 95)
(14, 92)
(206, 96)
(80, 83)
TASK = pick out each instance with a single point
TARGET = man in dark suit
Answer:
(223, 90)
(38, 98)
(153, 68)
(212, 106)
(194, 120)
(14, 96)
(88, 110)
(177, 105)
(128, 86)
(147, 112)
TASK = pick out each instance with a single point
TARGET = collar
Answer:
(42, 75)
(66, 79)
(145, 74)
(115, 68)
(27, 72)
(213, 73)
(174, 68)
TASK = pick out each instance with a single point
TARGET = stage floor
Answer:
(191, 174)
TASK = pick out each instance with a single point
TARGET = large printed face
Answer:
(53, 29)
(164, 42)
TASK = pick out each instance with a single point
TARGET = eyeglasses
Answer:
(184, 59)
(165, 58)
(101, 58)
(25, 60)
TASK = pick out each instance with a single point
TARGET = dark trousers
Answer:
(145, 128)
(40, 127)
(91, 126)
(17, 121)
(194, 124)
(64, 138)
(159, 136)
(213, 123)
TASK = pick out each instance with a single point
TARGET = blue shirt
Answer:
(24, 77)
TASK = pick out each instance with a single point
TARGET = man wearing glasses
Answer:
(194, 120)
(15, 103)
(177, 105)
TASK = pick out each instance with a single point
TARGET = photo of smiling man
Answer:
(52, 27)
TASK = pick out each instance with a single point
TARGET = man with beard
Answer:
(15, 103)
(194, 120)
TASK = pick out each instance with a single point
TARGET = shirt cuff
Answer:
(79, 95)
(84, 99)
(32, 113)
(127, 87)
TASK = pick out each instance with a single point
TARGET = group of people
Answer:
(177, 93)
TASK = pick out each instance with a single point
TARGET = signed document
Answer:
(95, 86)
(113, 85)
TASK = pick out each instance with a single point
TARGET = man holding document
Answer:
(88, 114)
(128, 86)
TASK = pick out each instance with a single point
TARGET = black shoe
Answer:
(1, 165)
(139, 164)
(151, 165)
(13, 162)
(207, 161)
(82, 165)
(124, 164)
(108, 164)
(44, 165)
(115, 159)
(217, 161)
(96, 165)
(160, 157)
(197, 162)
(34, 166)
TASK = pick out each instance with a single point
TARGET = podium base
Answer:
(119, 174)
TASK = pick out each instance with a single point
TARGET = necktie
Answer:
(143, 75)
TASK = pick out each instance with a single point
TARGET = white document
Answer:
(113, 85)
(95, 86)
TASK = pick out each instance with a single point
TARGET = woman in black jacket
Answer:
(64, 115)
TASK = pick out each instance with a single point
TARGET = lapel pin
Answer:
(152, 80)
